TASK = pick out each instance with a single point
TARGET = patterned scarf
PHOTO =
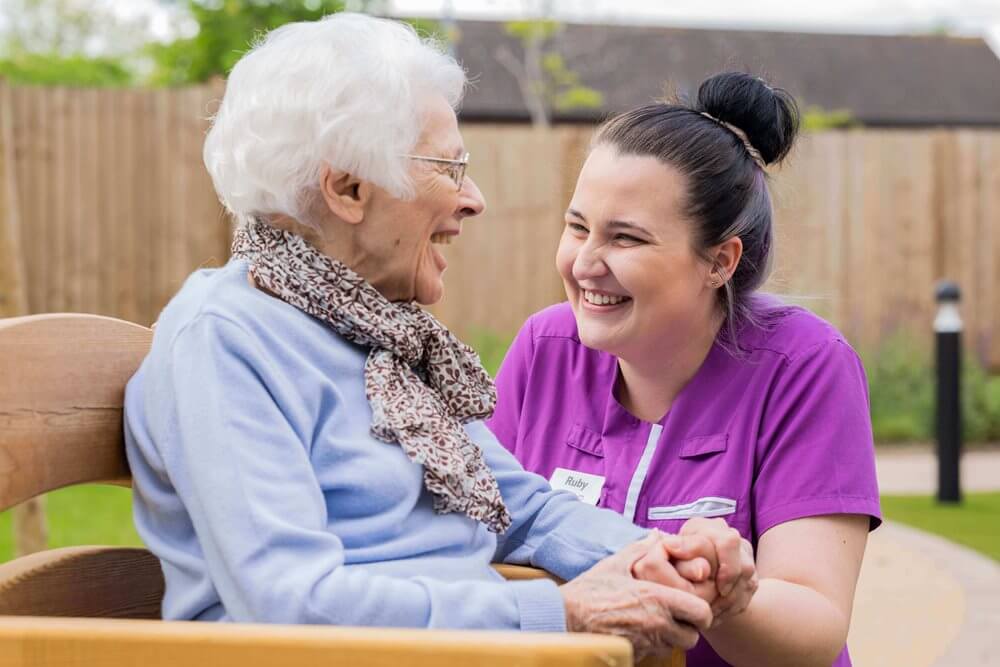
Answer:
(421, 381)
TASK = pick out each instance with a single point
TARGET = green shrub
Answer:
(901, 380)
(491, 347)
(901, 388)
(981, 405)
(57, 70)
(816, 118)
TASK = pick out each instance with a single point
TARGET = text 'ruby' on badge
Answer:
(587, 487)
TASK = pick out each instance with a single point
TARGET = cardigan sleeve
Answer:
(551, 529)
(243, 472)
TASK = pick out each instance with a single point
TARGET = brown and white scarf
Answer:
(421, 381)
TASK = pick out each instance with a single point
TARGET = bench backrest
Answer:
(62, 385)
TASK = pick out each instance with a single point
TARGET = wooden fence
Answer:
(115, 210)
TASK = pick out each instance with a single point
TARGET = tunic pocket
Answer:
(709, 506)
(585, 440)
(704, 445)
(707, 479)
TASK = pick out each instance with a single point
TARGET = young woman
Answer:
(668, 390)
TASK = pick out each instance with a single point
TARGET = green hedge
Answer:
(901, 383)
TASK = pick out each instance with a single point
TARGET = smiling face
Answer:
(399, 236)
(632, 276)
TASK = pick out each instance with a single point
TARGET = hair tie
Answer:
(742, 136)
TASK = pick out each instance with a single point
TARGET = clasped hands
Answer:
(663, 590)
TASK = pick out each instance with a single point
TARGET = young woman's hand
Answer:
(730, 558)
(695, 575)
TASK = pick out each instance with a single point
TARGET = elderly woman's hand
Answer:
(730, 558)
(607, 599)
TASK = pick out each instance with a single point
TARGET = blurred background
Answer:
(105, 206)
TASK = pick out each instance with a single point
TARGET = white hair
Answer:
(344, 91)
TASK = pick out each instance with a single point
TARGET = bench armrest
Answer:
(78, 642)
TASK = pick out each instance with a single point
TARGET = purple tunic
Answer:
(779, 433)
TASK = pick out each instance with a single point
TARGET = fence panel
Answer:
(116, 210)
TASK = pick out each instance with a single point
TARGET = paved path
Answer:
(923, 601)
(914, 470)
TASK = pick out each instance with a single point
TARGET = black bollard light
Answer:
(948, 341)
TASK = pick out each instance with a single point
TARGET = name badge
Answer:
(587, 487)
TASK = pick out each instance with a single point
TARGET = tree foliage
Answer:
(66, 42)
(546, 82)
(225, 31)
(815, 118)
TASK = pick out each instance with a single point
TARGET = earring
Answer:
(718, 279)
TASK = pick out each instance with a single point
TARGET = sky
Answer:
(969, 17)
(972, 17)
(966, 16)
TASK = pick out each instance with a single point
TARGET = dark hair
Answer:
(727, 190)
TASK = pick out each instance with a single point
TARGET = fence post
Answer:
(30, 527)
(948, 341)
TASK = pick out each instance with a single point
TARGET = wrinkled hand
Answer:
(729, 556)
(695, 575)
(607, 599)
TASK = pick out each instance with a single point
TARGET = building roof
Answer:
(883, 80)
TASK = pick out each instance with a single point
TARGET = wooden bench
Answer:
(62, 382)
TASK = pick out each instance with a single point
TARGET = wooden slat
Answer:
(809, 227)
(108, 200)
(57, 178)
(903, 243)
(30, 527)
(74, 193)
(211, 228)
(61, 397)
(88, 214)
(45, 222)
(34, 642)
(988, 338)
(165, 186)
(130, 220)
(962, 235)
(13, 287)
(176, 266)
(853, 228)
(150, 206)
(84, 581)
(977, 231)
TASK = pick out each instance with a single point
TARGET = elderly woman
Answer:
(307, 443)
(678, 392)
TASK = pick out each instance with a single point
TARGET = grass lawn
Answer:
(96, 514)
(975, 523)
(90, 514)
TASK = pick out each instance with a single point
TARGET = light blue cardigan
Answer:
(259, 487)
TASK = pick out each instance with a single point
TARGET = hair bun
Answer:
(769, 116)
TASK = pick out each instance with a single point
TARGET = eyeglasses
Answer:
(455, 169)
